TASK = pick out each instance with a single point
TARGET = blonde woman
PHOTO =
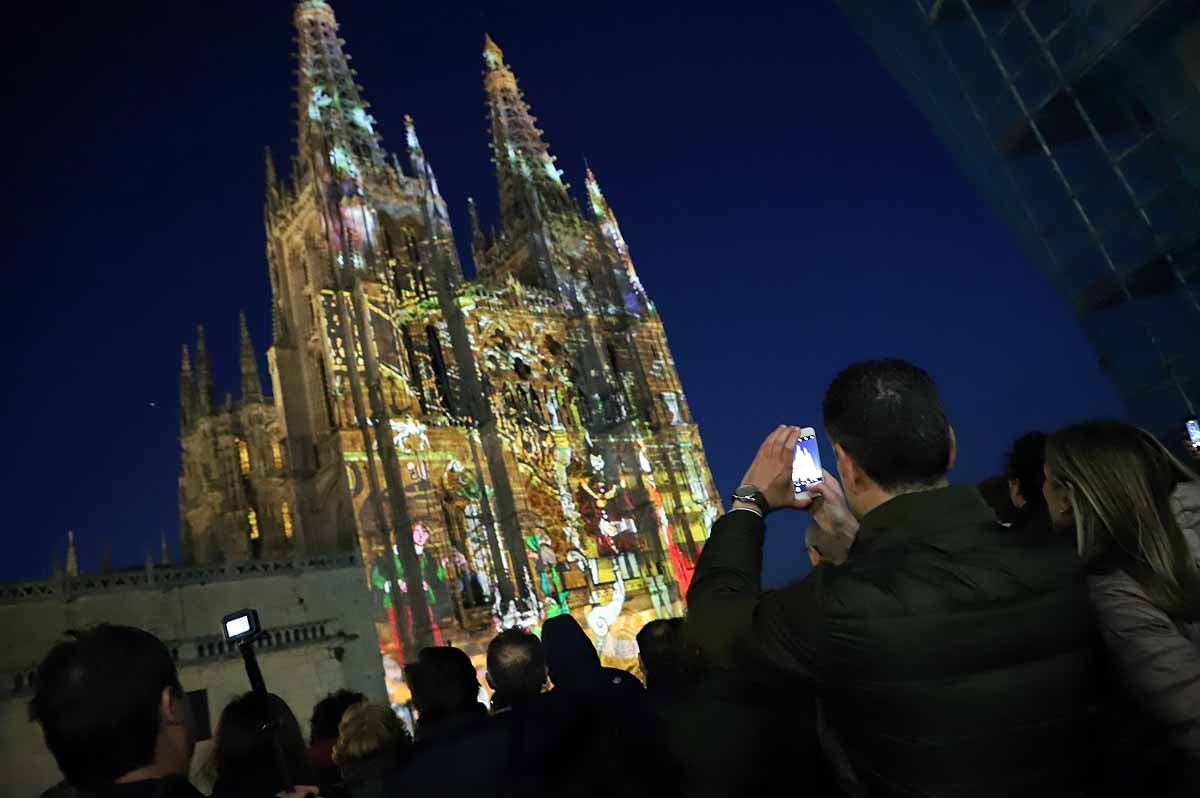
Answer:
(1125, 495)
(371, 742)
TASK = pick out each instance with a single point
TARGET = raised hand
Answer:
(831, 512)
(771, 471)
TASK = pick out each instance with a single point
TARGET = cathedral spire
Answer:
(333, 121)
(251, 384)
(524, 165)
(272, 179)
(478, 241)
(416, 156)
(607, 221)
(72, 555)
(187, 391)
(204, 381)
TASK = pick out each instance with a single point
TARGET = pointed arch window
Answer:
(277, 454)
(285, 513)
(252, 518)
(243, 456)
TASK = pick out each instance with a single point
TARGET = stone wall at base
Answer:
(318, 614)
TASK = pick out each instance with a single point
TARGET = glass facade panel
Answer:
(1081, 160)
(1127, 353)
(1112, 90)
(1147, 166)
(1036, 83)
(1017, 47)
(1049, 16)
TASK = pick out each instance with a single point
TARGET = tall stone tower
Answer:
(236, 500)
(501, 449)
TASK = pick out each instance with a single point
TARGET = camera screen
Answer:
(806, 464)
(1193, 429)
(237, 626)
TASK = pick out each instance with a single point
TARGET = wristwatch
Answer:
(751, 494)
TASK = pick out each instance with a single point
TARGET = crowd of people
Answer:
(1037, 634)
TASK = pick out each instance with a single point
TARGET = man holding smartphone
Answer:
(948, 658)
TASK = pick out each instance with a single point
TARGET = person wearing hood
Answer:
(574, 665)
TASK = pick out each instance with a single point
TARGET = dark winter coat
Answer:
(950, 657)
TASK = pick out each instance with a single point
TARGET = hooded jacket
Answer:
(574, 665)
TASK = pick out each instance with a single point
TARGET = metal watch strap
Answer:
(751, 494)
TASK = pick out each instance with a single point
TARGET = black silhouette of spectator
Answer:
(114, 714)
(574, 664)
(326, 717)
(260, 749)
(516, 668)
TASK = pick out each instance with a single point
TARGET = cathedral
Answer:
(498, 450)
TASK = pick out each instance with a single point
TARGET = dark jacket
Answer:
(950, 658)
(555, 744)
(733, 737)
(167, 787)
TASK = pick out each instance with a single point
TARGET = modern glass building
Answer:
(1080, 121)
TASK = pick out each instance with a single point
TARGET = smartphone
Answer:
(1193, 431)
(806, 463)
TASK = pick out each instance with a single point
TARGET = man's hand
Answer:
(771, 471)
(827, 503)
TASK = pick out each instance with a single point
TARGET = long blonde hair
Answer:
(1120, 479)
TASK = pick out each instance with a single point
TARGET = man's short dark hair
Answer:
(1024, 464)
(443, 684)
(887, 415)
(327, 714)
(516, 664)
(98, 700)
(661, 647)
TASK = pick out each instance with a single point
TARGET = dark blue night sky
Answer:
(788, 209)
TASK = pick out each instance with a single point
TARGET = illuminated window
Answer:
(277, 453)
(286, 513)
(252, 517)
(243, 456)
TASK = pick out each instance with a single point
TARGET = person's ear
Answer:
(953, 450)
(172, 707)
(1069, 505)
(848, 470)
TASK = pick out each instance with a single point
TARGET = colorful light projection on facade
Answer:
(500, 450)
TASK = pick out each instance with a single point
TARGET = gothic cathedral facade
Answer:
(501, 449)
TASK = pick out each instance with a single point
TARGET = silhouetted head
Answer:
(327, 714)
(1023, 467)
(663, 654)
(244, 756)
(571, 659)
(516, 666)
(889, 432)
(109, 703)
(443, 684)
(994, 491)
(1113, 483)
